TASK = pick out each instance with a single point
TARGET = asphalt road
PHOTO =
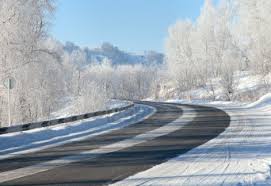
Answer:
(108, 168)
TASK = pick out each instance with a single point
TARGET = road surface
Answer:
(173, 130)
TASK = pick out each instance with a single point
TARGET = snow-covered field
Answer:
(37, 139)
(239, 156)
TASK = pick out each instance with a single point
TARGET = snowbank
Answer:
(247, 87)
(262, 102)
(70, 108)
(206, 102)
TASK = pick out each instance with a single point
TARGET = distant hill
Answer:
(115, 55)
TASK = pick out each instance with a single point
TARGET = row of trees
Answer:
(230, 37)
(94, 84)
(48, 75)
(227, 38)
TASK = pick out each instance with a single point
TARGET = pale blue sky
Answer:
(132, 25)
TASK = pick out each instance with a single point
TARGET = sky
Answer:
(132, 25)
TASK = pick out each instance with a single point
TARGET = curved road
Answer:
(173, 130)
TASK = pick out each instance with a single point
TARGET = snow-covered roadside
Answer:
(246, 87)
(70, 108)
(239, 156)
(210, 103)
(38, 139)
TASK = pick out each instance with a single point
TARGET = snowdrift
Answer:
(264, 101)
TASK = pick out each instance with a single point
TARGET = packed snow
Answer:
(239, 156)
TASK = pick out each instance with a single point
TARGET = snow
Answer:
(206, 102)
(264, 101)
(70, 107)
(245, 83)
(115, 103)
(42, 138)
(239, 156)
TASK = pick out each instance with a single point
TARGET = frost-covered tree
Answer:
(48, 73)
(180, 55)
(23, 25)
(254, 30)
(201, 51)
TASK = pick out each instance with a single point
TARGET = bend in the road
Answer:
(108, 168)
